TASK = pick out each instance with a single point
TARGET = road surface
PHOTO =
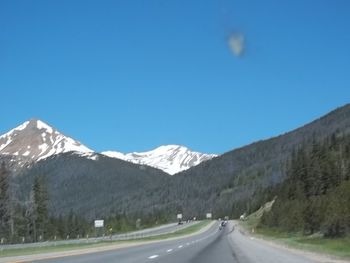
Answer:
(212, 246)
(154, 231)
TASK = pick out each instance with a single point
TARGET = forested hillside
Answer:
(30, 220)
(91, 188)
(316, 193)
(239, 181)
(231, 184)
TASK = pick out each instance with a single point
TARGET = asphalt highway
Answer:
(228, 245)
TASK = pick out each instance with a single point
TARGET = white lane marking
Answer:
(154, 256)
(169, 250)
(187, 244)
(180, 246)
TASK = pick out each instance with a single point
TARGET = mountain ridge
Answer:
(34, 140)
(229, 184)
(171, 158)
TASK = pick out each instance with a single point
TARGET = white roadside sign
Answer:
(99, 223)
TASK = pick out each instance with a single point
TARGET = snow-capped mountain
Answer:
(169, 158)
(34, 140)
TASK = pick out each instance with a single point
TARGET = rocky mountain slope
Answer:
(34, 140)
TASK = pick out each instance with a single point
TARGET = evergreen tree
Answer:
(337, 216)
(316, 193)
(41, 216)
(4, 202)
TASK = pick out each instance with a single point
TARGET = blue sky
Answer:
(132, 75)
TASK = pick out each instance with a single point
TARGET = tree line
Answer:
(31, 221)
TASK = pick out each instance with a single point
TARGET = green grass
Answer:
(316, 243)
(68, 247)
(339, 247)
(49, 249)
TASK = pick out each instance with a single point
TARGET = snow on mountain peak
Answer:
(169, 158)
(41, 125)
(35, 140)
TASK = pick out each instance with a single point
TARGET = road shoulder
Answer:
(317, 257)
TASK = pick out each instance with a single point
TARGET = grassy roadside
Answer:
(339, 247)
(49, 249)
(69, 247)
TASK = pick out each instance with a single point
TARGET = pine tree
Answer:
(315, 196)
(41, 199)
(337, 217)
(4, 202)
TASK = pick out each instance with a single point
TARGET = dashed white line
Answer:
(154, 256)
(169, 250)
(180, 246)
(187, 244)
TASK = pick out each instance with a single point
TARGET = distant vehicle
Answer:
(180, 223)
(222, 224)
